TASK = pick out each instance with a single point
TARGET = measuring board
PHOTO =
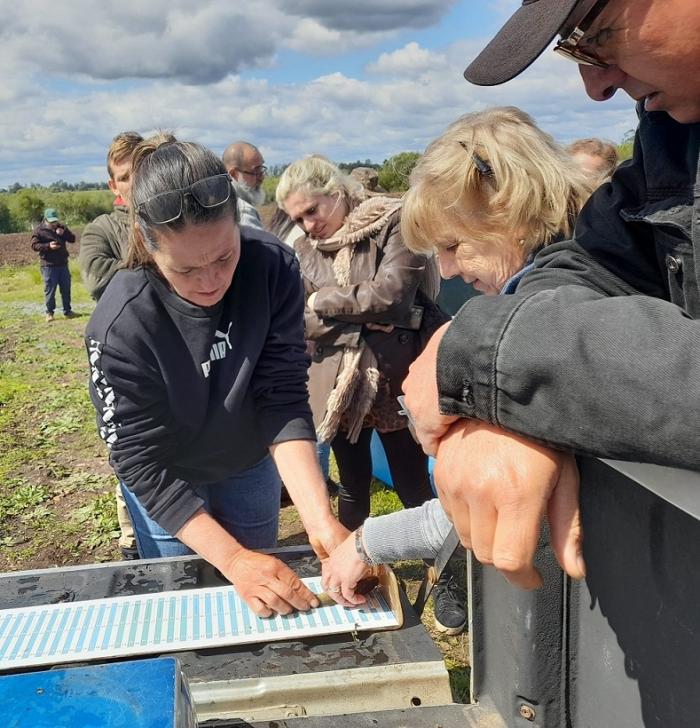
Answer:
(166, 621)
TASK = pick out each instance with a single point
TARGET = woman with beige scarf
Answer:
(369, 308)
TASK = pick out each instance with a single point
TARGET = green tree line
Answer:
(22, 208)
(20, 211)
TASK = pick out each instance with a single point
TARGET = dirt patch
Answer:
(16, 249)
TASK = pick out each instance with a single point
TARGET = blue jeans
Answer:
(56, 276)
(323, 450)
(247, 505)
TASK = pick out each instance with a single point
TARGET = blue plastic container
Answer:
(134, 694)
(380, 465)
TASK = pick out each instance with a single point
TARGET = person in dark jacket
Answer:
(198, 374)
(49, 240)
(367, 297)
(598, 350)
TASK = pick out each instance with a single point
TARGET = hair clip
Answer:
(482, 165)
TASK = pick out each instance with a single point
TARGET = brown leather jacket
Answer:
(393, 286)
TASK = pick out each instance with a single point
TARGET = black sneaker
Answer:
(130, 554)
(450, 604)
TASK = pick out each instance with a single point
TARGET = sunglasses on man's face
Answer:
(569, 46)
(166, 207)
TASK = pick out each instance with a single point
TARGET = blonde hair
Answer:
(121, 148)
(493, 171)
(315, 175)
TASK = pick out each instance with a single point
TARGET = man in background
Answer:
(103, 247)
(246, 167)
(49, 240)
(104, 241)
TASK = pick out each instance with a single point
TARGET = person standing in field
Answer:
(103, 248)
(49, 240)
(104, 241)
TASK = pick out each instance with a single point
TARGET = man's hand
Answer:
(496, 488)
(54, 245)
(420, 388)
(267, 585)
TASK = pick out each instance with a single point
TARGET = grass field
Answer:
(56, 487)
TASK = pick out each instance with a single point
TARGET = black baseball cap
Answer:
(518, 43)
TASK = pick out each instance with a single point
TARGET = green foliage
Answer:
(382, 499)
(101, 517)
(625, 147)
(23, 209)
(20, 497)
(6, 223)
(80, 208)
(269, 186)
(347, 167)
(26, 208)
(394, 174)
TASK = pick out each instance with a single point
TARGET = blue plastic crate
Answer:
(134, 694)
(380, 465)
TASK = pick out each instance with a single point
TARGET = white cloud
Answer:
(411, 60)
(310, 36)
(52, 127)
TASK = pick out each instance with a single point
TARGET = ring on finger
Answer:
(334, 589)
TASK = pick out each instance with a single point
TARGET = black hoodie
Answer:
(187, 395)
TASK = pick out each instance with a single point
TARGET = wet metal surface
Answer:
(409, 644)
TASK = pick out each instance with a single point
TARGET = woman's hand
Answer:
(267, 585)
(326, 537)
(264, 582)
(341, 572)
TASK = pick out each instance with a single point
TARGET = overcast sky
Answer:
(352, 80)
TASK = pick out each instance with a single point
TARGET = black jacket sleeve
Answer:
(134, 420)
(279, 380)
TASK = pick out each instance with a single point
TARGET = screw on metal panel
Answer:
(527, 712)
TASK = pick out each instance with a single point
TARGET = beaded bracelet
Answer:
(360, 548)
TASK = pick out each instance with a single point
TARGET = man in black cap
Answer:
(598, 351)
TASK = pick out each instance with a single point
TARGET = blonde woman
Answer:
(486, 196)
(368, 309)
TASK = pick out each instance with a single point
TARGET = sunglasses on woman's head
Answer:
(166, 207)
